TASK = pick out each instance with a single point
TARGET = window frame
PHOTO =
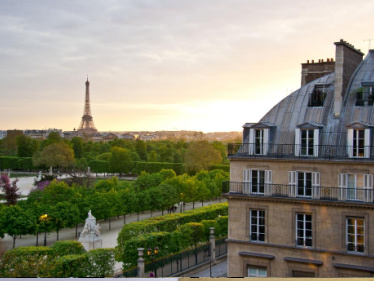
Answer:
(355, 235)
(304, 237)
(257, 268)
(259, 214)
(248, 181)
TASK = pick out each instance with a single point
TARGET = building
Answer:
(301, 187)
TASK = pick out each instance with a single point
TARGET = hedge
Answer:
(63, 259)
(70, 266)
(26, 261)
(186, 236)
(63, 248)
(99, 166)
(155, 167)
(171, 222)
(101, 262)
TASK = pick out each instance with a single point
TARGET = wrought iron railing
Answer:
(301, 192)
(300, 151)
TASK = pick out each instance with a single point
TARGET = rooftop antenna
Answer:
(369, 40)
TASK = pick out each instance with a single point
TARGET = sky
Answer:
(204, 65)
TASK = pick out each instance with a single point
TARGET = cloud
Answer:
(164, 52)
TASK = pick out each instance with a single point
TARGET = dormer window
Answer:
(365, 94)
(318, 96)
(358, 140)
(307, 139)
(259, 138)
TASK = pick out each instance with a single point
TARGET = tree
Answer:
(56, 155)
(141, 149)
(26, 146)
(63, 214)
(11, 190)
(77, 147)
(17, 222)
(120, 161)
(200, 155)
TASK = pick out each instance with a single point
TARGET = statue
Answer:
(90, 235)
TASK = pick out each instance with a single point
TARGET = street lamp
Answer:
(44, 218)
(152, 253)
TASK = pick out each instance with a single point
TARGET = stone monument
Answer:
(90, 236)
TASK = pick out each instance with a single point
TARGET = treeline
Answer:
(66, 206)
(19, 152)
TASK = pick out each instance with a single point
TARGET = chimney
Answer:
(347, 58)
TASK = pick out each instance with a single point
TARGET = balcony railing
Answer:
(299, 151)
(293, 191)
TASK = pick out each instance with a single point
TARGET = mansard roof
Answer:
(293, 111)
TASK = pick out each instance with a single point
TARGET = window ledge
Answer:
(354, 267)
(257, 255)
(306, 261)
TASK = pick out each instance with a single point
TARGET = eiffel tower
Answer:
(87, 125)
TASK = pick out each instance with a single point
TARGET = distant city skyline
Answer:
(207, 66)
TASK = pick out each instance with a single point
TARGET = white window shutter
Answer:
(367, 143)
(251, 142)
(342, 184)
(350, 143)
(268, 181)
(292, 182)
(266, 141)
(297, 142)
(247, 178)
(316, 185)
(368, 186)
(316, 142)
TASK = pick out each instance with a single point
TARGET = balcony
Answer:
(249, 150)
(364, 195)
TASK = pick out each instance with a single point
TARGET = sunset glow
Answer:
(163, 65)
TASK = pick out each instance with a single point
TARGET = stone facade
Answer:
(328, 255)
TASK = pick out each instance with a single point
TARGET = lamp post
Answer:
(44, 219)
(152, 253)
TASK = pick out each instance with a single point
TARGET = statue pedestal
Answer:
(90, 237)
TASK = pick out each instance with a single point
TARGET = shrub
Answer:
(70, 266)
(25, 261)
(63, 248)
(191, 234)
(101, 262)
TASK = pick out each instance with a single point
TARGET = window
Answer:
(355, 235)
(356, 187)
(304, 230)
(317, 98)
(257, 181)
(304, 184)
(257, 226)
(307, 142)
(257, 271)
(358, 143)
(258, 141)
(364, 96)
